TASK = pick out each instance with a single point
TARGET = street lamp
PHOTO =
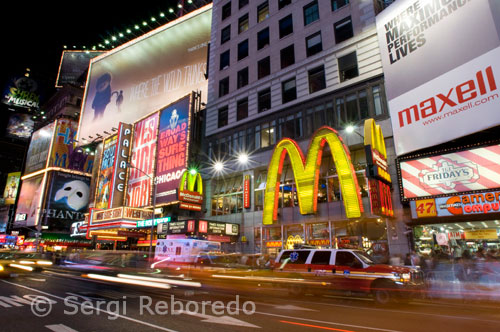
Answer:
(154, 207)
(352, 129)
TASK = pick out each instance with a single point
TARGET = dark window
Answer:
(348, 67)
(225, 34)
(264, 67)
(345, 258)
(262, 11)
(226, 10)
(223, 115)
(263, 38)
(242, 78)
(295, 257)
(242, 109)
(317, 80)
(283, 3)
(223, 87)
(264, 100)
(343, 30)
(321, 257)
(311, 13)
(351, 108)
(314, 44)
(243, 23)
(243, 49)
(286, 26)
(224, 60)
(242, 3)
(287, 56)
(336, 4)
(288, 90)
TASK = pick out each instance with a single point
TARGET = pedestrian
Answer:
(408, 259)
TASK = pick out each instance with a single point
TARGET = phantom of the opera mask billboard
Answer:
(145, 74)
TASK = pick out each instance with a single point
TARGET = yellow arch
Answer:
(306, 174)
(192, 181)
(375, 137)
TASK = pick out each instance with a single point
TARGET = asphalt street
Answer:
(61, 302)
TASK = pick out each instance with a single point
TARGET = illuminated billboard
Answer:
(30, 201)
(463, 171)
(67, 200)
(22, 92)
(73, 67)
(20, 126)
(39, 148)
(172, 149)
(142, 159)
(95, 174)
(147, 73)
(105, 178)
(11, 187)
(441, 68)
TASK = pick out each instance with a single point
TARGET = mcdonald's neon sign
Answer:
(306, 174)
(191, 191)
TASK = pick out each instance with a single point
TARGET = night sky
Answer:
(34, 33)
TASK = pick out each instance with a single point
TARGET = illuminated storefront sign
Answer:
(462, 171)
(148, 222)
(190, 191)
(306, 174)
(481, 234)
(120, 213)
(121, 164)
(246, 192)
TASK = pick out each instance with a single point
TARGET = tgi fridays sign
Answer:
(464, 171)
(476, 203)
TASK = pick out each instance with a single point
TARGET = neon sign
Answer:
(306, 174)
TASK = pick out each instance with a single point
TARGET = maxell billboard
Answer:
(440, 60)
(147, 73)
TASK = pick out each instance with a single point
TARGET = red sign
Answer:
(189, 206)
(190, 197)
(143, 157)
(190, 225)
(246, 192)
(273, 244)
(380, 198)
(219, 238)
(202, 226)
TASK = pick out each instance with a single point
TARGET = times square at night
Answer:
(298, 165)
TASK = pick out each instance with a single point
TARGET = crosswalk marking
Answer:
(60, 328)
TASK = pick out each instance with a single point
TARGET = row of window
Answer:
(347, 67)
(314, 44)
(343, 108)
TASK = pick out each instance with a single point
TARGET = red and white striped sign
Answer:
(469, 170)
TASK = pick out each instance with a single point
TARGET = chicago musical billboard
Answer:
(440, 61)
(172, 149)
(147, 73)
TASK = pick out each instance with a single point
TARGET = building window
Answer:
(343, 30)
(224, 60)
(286, 26)
(262, 38)
(377, 100)
(223, 87)
(314, 44)
(348, 67)
(262, 11)
(226, 10)
(242, 78)
(264, 100)
(242, 3)
(223, 116)
(243, 23)
(283, 3)
(263, 67)
(336, 4)
(287, 56)
(288, 90)
(311, 13)
(242, 109)
(225, 34)
(243, 49)
(317, 80)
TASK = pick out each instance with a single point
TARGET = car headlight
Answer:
(44, 263)
(405, 277)
(1, 268)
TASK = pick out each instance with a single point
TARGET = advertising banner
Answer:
(147, 73)
(20, 126)
(139, 189)
(64, 153)
(4, 218)
(29, 203)
(475, 169)
(22, 92)
(172, 149)
(38, 151)
(95, 173)
(67, 200)
(121, 164)
(103, 190)
(481, 234)
(73, 67)
(440, 61)
(11, 187)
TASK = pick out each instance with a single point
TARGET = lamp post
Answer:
(154, 207)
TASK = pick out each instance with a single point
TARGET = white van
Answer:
(181, 250)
